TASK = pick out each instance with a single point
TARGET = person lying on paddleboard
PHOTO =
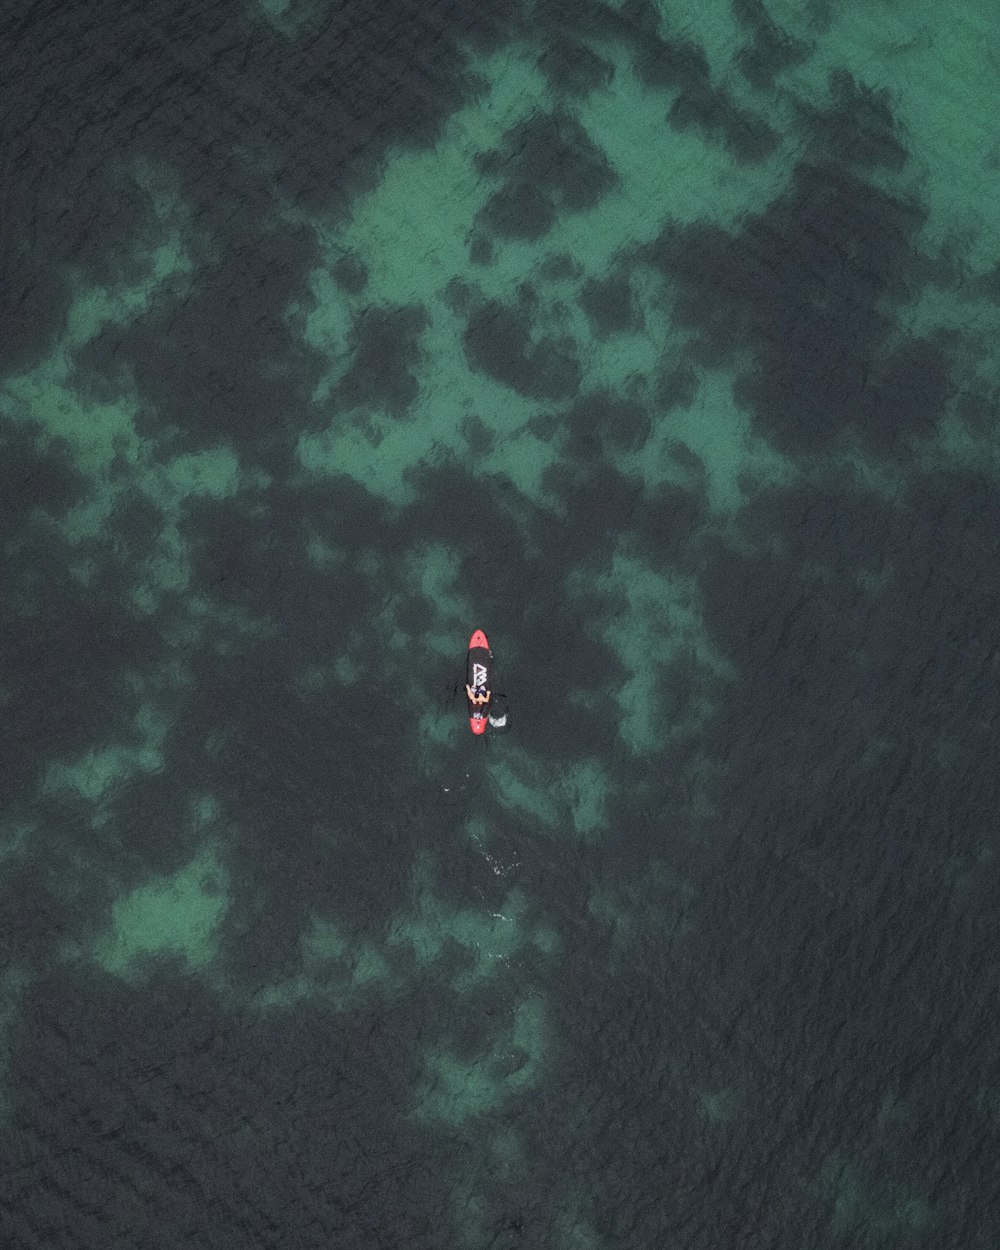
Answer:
(477, 698)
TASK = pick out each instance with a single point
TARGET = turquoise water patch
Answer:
(656, 624)
(174, 916)
(456, 1089)
(488, 940)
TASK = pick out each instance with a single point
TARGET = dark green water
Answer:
(661, 343)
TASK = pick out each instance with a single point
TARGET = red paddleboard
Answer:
(477, 680)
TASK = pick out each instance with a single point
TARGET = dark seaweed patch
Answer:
(66, 646)
(385, 347)
(677, 388)
(713, 111)
(574, 69)
(481, 250)
(548, 165)
(770, 50)
(906, 397)
(458, 295)
(672, 64)
(479, 438)
(805, 286)
(544, 425)
(351, 274)
(624, 423)
(518, 210)
(219, 363)
(560, 267)
(609, 305)
(858, 127)
(34, 476)
(663, 521)
(498, 342)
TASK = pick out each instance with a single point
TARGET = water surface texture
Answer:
(662, 342)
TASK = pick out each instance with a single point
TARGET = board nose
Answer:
(478, 639)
